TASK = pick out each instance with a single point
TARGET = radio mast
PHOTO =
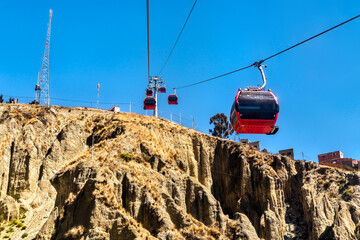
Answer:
(42, 87)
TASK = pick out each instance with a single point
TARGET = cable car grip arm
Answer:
(260, 67)
(263, 76)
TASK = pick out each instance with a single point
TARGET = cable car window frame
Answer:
(257, 105)
(172, 98)
(150, 101)
(149, 92)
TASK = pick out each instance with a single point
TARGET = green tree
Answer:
(222, 127)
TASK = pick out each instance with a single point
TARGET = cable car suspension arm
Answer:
(260, 67)
(263, 76)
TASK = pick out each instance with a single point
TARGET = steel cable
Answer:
(274, 55)
(148, 37)
(177, 40)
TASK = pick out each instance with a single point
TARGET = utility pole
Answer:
(303, 155)
(154, 83)
(42, 87)
(97, 102)
(155, 96)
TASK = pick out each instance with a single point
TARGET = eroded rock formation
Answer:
(70, 173)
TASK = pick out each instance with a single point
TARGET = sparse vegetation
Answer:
(19, 225)
(23, 227)
(10, 230)
(341, 184)
(24, 235)
(6, 236)
(13, 222)
(2, 229)
(16, 197)
(126, 156)
(348, 194)
(145, 156)
(22, 211)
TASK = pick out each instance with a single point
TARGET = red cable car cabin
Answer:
(172, 99)
(162, 89)
(149, 92)
(255, 111)
(149, 103)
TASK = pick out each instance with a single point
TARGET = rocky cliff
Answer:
(72, 173)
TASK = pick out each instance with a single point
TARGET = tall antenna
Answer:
(42, 87)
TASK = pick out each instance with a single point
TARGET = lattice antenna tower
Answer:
(42, 87)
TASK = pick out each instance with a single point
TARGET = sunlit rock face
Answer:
(75, 173)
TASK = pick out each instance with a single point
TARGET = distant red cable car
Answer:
(162, 89)
(173, 99)
(149, 92)
(254, 110)
(149, 103)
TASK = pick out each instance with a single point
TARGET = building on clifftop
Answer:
(337, 159)
(287, 152)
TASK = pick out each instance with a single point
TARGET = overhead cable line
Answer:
(91, 102)
(317, 35)
(182, 29)
(68, 100)
(213, 78)
(274, 55)
(148, 37)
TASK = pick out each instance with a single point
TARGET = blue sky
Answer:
(317, 84)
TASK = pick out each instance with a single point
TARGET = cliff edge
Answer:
(74, 173)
